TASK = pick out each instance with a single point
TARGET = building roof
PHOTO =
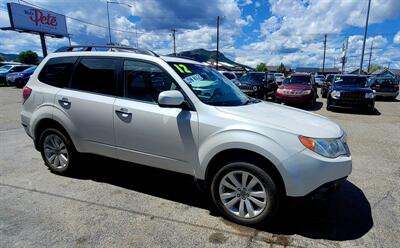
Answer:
(355, 71)
(317, 70)
(381, 71)
(275, 68)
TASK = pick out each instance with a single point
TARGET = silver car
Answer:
(180, 115)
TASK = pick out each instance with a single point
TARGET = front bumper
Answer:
(307, 171)
(387, 94)
(340, 103)
(294, 98)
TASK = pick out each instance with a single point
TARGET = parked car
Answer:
(6, 69)
(229, 75)
(258, 84)
(279, 77)
(327, 84)
(385, 86)
(297, 89)
(19, 79)
(350, 91)
(319, 80)
(180, 115)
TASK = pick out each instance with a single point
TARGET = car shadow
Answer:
(346, 215)
(315, 107)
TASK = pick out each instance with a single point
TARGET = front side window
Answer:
(96, 75)
(209, 85)
(145, 81)
(57, 71)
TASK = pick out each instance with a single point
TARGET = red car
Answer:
(297, 89)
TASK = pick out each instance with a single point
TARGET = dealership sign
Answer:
(27, 18)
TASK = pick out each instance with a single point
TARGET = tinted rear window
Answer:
(96, 75)
(57, 71)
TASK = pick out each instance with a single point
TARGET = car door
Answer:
(147, 133)
(88, 104)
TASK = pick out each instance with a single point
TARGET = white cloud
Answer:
(396, 38)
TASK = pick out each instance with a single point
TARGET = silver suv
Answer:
(180, 115)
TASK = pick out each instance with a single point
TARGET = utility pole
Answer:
(323, 61)
(370, 55)
(365, 37)
(344, 54)
(173, 37)
(216, 65)
(109, 27)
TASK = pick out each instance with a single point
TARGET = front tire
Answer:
(244, 193)
(57, 151)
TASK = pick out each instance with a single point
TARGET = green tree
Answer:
(282, 69)
(261, 67)
(28, 57)
(374, 67)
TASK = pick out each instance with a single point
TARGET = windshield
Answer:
(255, 77)
(298, 80)
(356, 81)
(209, 85)
(5, 68)
(385, 81)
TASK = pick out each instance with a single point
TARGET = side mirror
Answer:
(170, 98)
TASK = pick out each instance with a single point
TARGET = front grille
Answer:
(245, 87)
(352, 96)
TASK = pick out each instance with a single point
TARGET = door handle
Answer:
(64, 102)
(123, 112)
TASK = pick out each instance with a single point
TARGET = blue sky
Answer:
(252, 31)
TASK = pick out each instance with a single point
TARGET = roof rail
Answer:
(88, 48)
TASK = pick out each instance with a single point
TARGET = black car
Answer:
(350, 91)
(385, 86)
(258, 84)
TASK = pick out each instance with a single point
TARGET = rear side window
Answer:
(57, 71)
(96, 75)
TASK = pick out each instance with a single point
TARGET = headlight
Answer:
(369, 95)
(330, 148)
(335, 94)
(306, 92)
(280, 90)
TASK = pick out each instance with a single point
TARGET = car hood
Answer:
(297, 86)
(286, 118)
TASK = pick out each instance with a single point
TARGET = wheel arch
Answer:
(264, 163)
(47, 123)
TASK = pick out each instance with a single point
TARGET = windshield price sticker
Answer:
(182, 68)
(193, 78)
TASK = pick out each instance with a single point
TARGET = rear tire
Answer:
(252, 199)
(57, 151)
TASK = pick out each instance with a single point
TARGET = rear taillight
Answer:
(26, 92)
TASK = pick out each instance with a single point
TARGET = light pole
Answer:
(365, 37)
(108, 18)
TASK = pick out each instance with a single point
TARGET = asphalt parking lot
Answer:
(113, 204)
